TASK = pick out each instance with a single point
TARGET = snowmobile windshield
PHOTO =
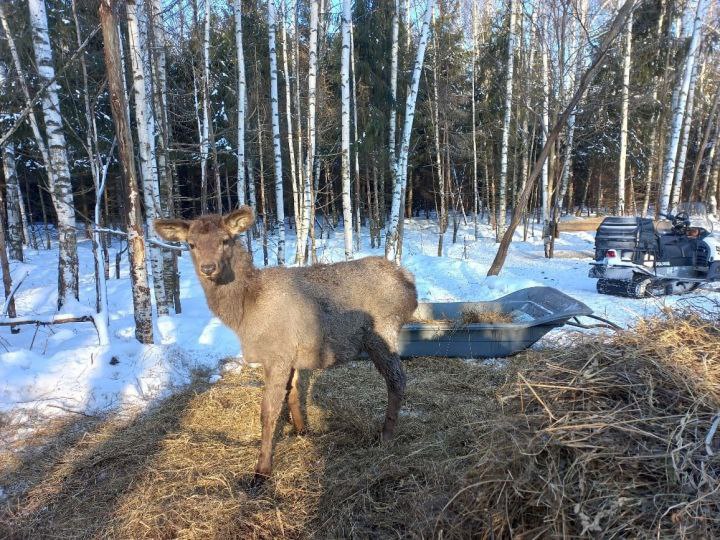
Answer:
(698, 214)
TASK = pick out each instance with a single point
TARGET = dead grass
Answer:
(605, 438)
(470, 316)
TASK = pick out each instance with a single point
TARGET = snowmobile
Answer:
(640, 257)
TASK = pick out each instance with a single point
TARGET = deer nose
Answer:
(208, 269)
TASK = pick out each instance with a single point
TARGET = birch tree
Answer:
(679, 110)
(289, 120)
(60, 184)
(277, 148)
(242, 100)
(311, 134)
(392, 122)
(345, 128)
(142, 306)
(622, 160)
(502, 197)
(144, 122)
(392, 239)
(474, 23)
(13, 197)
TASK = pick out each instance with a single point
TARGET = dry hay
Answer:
(183, 470)
(605, 438)
(470, 316)
(608, 438)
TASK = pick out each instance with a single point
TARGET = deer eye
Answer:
(191, 245)
(226, 241)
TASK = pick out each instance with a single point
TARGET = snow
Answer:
(51, 370)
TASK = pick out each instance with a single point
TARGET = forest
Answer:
(342, 117)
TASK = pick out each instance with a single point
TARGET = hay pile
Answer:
(604, 438)
(610, 438)
(469, 316)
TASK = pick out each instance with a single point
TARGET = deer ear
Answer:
(238, 221)
(172, 230)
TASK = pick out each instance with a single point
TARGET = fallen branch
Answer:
(10, 296)
(49, 321)
(710, 435)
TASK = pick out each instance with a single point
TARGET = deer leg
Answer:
(387, 362)
(273, 397)
(293, 400)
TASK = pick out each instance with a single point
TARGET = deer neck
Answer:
(226, 297)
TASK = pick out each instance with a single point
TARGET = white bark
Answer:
(622, 160)
(60, 186)
(289, 121)
(345, 128)
(310, 155)
(474, 23)
(545, 183)
(146, 152)
(205, 126)
(279, 196)
(502, 195)
(13, 197)
(682, 154)
(356, 168)
(14, 220)
(242, 98)
(679, 110)
(400, 174)
(393, 87)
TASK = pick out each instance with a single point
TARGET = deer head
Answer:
(211, 239)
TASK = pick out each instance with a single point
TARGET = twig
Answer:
(9, 298)
(711, 434)
(547, 409)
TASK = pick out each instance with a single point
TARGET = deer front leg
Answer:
(275, 388)
(293, 399)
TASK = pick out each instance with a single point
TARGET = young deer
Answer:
(289, 319)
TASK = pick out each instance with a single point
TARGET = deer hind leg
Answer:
(293, 400)
(273, 397)
(384, 355)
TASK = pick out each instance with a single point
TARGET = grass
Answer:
(604, 438)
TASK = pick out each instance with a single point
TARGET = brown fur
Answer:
(289, 319)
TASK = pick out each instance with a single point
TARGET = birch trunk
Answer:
(356, 162)
(687, 124)
(300, 255)
(289, 122)
(545, 182)
(392, 239)
(679, 110)
(345, 129)
(627, 59)
(205, 123)
(279, 202)
(14, 220)
(502, 198)
(146, 149)
(474, 120)
(60, 186)
(393, 88)
(242, 98)
(121, 116)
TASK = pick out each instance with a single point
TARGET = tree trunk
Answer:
(345, 128)
(121, 116)
(502, 196)
(61, 186)
(679, 111)
(400, 174)
(703, 146)
(14, 221)
(627, 58)
(242, 99)
(308, 199)
(277, 147)
(145, 125)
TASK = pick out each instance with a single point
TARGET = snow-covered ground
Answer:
(58, 369)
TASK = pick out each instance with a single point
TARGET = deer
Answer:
(297, 318)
